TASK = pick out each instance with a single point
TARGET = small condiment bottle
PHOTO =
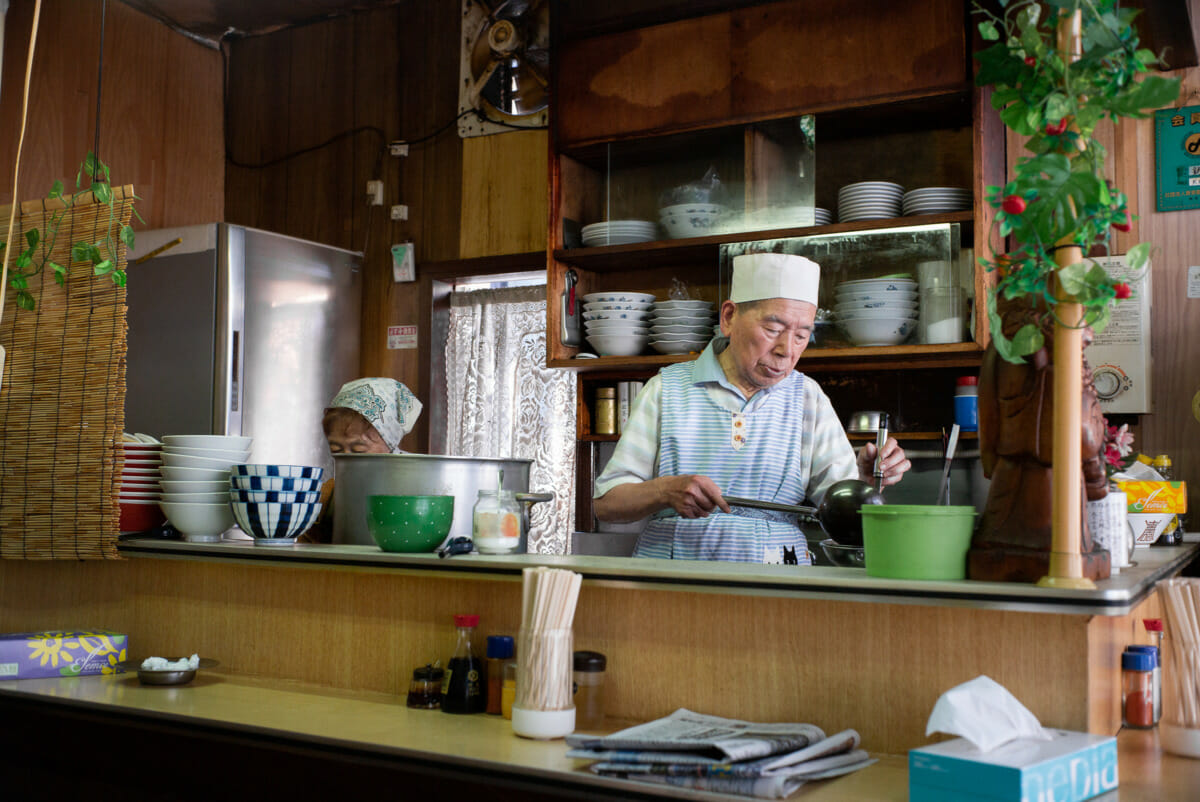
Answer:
(464, 686)
(589, 689)
(606, 411)
(425, 690)
(508, 690)
(496, 522)
(966, 403)
(499, 652)
(1137, 690)
(1155, 677)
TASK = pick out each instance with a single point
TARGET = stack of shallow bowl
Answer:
(684, 220)
(869, 200)
(140, 489)
(616, 322)
(936, 200)
(678, 327)
(822, 216)
(619, 232)
(275, 504)
(195, 481)
(880, 311)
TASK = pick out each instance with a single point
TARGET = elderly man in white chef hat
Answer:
(739, 420)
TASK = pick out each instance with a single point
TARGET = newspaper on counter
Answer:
(691, 750)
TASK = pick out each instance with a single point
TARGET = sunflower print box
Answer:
(74, 653)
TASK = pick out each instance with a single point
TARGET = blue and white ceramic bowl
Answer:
(277, 523)
(273, 483)
(291, 471)
(272, 496)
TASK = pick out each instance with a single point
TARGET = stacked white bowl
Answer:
(822, 216)
(617, 322)
(678, 327)
(275, 504)
(684, 220)
(881, 311)
(936, 200)
(195, 482)
(139, 492)
(619, 232)
(869, 200)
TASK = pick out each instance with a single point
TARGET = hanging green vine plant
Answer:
(1058, 196)
(94, 176)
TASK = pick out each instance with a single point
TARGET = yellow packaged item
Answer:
(1153, 507)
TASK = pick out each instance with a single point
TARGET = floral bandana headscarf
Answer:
(387, 405)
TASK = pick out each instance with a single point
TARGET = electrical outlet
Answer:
(399, 212)
(398, 148)
(375, 193)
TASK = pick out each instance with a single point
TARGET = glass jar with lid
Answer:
(496, 522)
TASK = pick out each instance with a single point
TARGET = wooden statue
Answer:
(1013, 541)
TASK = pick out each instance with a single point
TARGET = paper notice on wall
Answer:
(401, 337)
(1120, 355)
(404, 266)
(1193, 281)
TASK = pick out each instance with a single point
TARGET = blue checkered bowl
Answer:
(277, 521)
(273, 483)
(286, 496)
(291, 471)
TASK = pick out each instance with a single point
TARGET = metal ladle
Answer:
(837, 515)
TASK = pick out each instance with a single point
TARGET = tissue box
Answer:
(1069, 767)
(74, 653)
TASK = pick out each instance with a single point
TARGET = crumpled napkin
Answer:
(983, 712)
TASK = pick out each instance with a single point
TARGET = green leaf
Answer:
(102, 268)
(59, 270)
(25, 301)
(1103, 316)
(32, 237)
(1138, 256)
(987, 29)
(127, 236)
(24, 260)
(1057, 106)
(17, 281)
(118, 277)
(102, 191)
(1073, 278)
(80, 252)
(56, 190)
(1028, 340)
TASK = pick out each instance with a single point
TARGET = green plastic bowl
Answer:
(917, 541)
(409, 523)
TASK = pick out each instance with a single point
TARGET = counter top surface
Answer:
(1114, 596)
(381, 725)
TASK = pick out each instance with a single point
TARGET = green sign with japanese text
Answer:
(1177, 158)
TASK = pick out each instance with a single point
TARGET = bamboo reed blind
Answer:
(62, 399)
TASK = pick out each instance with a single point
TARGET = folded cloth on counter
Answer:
(691, 750)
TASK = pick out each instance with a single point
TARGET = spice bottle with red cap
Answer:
(966, 403)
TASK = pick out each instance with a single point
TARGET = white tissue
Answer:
(163, 664)
(983, 712)
(1137, 472)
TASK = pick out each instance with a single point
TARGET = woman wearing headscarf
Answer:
(367, 416)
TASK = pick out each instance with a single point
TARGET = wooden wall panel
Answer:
(160, 126)
(504, 194)
(877, 668)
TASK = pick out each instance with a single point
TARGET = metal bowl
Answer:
(863, 422)
(149, 677)
(843, 556)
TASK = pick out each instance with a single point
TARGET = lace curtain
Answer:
(502, 401)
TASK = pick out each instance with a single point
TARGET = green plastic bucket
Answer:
(917, 541)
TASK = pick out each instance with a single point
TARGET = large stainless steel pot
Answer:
(358, 476)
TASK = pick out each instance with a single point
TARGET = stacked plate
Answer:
(617, 323)
(275, 504)
(195, 482)
(619, 232)
(937, 200)
(679, 327)
(822, 216)
(869, 200)
(880, 311)
(140, 489)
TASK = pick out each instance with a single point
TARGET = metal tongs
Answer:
(881, 437)
(951, 444)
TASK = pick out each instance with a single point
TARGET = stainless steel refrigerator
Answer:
(233, 330)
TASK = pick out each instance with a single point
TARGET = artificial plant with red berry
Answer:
(1059, 195)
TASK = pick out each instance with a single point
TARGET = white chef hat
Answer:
(387, 405)
(758, 276)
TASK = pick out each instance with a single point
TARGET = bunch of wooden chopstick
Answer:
(544, 649)
(1181, 674)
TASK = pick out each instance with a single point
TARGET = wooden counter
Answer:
(194, 738)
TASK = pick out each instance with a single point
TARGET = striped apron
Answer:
(697, 437)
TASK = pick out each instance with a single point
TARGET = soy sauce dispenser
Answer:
(464, 686)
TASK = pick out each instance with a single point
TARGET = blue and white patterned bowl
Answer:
(273, 483)
(274, 496)
(274, 523)
(291, 471)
